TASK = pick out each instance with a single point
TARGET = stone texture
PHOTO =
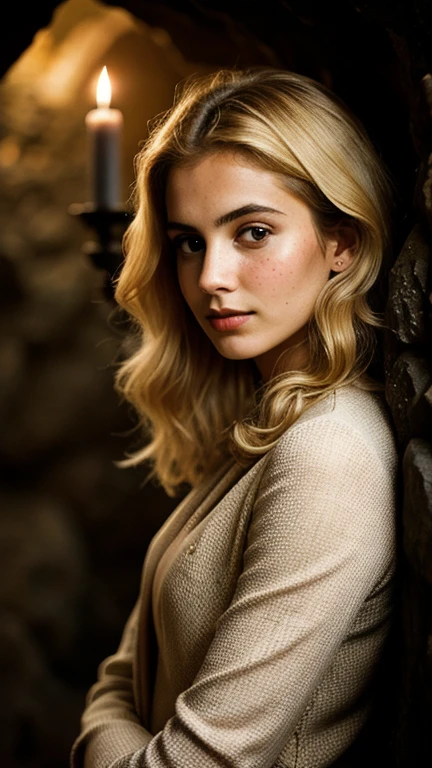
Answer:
(409, 311)
(417, 513)
(415, 706)
(409, 393)
(407, 383)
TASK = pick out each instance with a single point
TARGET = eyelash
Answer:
(180, 239)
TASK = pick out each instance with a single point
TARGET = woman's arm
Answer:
(110, 727)
(321, 537)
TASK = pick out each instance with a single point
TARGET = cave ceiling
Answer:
(311, 35)
(373, 54)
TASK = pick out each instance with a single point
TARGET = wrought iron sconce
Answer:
(105, 249)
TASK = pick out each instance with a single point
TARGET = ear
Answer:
(341, 246)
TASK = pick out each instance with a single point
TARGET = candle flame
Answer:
(103, 90)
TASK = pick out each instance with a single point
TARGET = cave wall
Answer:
(73, 527)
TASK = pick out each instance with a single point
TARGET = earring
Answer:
(339, 263)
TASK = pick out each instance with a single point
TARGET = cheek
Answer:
(300, 264)
(183, 284)
(272, 275)
(187, 282)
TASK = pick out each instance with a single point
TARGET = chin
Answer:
(236, 354)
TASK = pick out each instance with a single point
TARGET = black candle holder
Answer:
(105, 251)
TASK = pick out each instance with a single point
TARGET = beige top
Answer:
(265, 604)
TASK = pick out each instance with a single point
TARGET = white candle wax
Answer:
(104, 129)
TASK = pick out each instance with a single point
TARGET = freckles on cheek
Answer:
(258, 275)
(272, 275)
(264, 274)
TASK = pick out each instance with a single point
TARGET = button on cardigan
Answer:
(265, 604)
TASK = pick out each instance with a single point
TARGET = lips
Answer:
(229, 322)
(227, 312)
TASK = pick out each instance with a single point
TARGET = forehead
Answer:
(222, 178)
(223, 173)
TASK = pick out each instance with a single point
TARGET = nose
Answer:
(218, 272)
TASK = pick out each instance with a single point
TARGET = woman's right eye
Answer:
(189, 243)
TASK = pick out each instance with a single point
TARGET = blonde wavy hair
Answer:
(196, 408)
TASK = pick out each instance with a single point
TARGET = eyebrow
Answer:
(227, 218)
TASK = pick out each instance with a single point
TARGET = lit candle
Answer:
(104, 127)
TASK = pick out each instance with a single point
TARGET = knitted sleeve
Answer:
(111, 727)
(321, 538)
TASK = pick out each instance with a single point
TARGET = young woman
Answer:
(267, 597)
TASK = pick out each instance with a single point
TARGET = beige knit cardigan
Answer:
(265, 603)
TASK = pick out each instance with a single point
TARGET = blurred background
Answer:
(73, 527)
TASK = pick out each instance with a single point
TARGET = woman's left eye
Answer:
(255, 234)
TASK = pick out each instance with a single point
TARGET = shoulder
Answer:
(349, 424)
(332, 477)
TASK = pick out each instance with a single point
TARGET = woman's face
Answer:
(245, 245)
